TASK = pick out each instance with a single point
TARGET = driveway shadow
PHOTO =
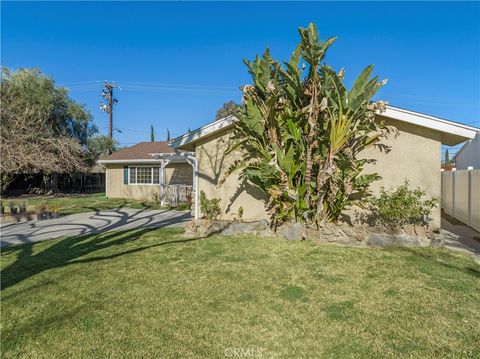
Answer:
(70, 250)
(89, 223)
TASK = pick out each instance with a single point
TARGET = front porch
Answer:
(172, 193)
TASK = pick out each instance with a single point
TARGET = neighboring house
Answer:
(469, 154)
(448, 167)
(147, 170)
(415, 155)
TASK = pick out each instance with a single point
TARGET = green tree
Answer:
(301, 132)
(168, 135)
(42, 128)
(152, 134)
(229, 108)
(447, 157)
(98, 146)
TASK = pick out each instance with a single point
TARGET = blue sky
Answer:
(176, 63)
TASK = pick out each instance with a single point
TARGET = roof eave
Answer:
(453, 133)
(145, 160)
(186, 141)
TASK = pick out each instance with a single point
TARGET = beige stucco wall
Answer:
(415, 155)
(212, 163)
(175, 173)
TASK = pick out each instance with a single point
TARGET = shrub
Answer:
(156, 198)
(210, 207)
(12, 206)
(398, 207)
(240, 214)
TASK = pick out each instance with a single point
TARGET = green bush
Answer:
(210, 207)
(398, 207)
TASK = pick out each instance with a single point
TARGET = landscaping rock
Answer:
(261, 225)
(341, 233)
(292, 231)
(382, 240)
(204, 228)
(437, 241)
(440, 236)
(238, 228)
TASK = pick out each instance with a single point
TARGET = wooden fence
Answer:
(65, 183)
(461, 196)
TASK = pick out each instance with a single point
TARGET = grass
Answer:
(70, 204)
(152, 293)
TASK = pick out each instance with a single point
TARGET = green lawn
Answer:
(70, 204)
(152, 293)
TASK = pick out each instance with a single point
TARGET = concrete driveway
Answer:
(90, 223)
(467, 240)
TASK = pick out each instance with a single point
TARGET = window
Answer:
(144, 175)
(156, 174)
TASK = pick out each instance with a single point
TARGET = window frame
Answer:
(151, 175)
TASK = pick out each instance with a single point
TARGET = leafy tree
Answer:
(98, 146)
(447, 157)
(42, 129)
(168, 135)
(301, 132)
(152, 134)
(229, 108)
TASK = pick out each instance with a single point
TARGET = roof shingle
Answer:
(140, 151)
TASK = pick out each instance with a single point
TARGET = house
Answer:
(415, 155)
(146, 171)
(448, 167)
(469, 154)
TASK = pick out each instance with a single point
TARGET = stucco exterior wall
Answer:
(415, 155)
(212, 164)
(175, 173)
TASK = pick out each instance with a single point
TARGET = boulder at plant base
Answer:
(291, 231)
(204, 228)
(389, 240)
(340, 233)
(239, 228)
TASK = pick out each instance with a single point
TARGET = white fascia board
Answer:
(434, 123)
(206, 130)
(395, 113)
(150, 160)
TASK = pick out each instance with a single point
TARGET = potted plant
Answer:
(13, 209)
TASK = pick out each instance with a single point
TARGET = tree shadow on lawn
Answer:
(441, 259)
(69, 250)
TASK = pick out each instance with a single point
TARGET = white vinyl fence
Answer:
(461, 196)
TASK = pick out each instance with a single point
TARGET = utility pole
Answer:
(107, 94)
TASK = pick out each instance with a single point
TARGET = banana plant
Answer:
(302, 133)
